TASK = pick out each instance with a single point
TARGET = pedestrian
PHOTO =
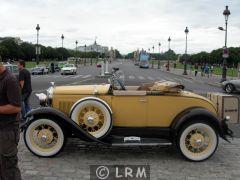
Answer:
(196, 69)
(10, 106)
(25, 86)
(206, 70)
(211, 70)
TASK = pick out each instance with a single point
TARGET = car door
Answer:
(129, 110)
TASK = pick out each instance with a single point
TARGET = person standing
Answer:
(10, 106)
(26, 87)
(196, 69)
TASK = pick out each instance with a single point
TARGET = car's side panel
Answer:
(138, 111)
(129, 111)
(161, 110)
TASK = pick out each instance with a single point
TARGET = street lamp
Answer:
(168, 63)
(37, 48)
(85, 46)
(91, 55)
(226, 14)
(76, 51)
(185, 62)
(62, 37)
(169, 40)
(159, 44)
(152, 55)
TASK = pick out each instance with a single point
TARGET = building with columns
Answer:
(93, 48)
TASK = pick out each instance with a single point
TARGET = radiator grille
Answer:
(65, 106)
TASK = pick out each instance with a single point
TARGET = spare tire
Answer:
(93, 116)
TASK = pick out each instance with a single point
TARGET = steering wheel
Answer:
(115, 77)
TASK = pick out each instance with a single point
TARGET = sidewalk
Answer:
(213, 80)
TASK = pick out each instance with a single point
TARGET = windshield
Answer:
(69, 65)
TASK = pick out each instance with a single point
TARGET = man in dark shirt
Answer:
(26, 87)
(10, 106)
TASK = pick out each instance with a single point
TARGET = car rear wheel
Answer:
(93, 116)
(197, 141)
(229, 88)
(44, 137)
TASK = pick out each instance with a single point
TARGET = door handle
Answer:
(142, 100)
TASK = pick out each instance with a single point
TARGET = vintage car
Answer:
(69, 69)
(113, 114)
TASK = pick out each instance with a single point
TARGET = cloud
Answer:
(123, 24)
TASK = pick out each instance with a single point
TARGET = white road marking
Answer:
(131, 77)
(78, 82)
(87, 76)
(188, 80)
(75, 77)
(140, 77)
(177, 79)
(150, 78)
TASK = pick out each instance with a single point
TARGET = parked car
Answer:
(61, 64)
(69, 69)
(113, 114)
(37, 71)
(231, 85)
(12, 68)
(99, 65)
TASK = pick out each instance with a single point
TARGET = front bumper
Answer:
(226, 132)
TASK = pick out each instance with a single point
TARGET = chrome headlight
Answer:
(50, 93)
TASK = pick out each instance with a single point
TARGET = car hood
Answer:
(81, 89)
(68, 68)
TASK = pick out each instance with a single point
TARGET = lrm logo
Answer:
(119, 172)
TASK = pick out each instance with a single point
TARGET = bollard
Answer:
(106, 70)
(102, 68)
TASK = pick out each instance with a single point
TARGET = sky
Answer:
(126, 25)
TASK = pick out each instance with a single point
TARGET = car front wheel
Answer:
(197, 141)
(44, 137)
(229, 88)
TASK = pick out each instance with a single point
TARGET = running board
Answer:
(137, 141)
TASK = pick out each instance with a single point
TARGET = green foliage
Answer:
(9, 49)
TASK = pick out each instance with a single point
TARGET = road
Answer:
(165, 163)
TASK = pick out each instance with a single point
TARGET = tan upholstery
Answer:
(162, 86)
(129, 93)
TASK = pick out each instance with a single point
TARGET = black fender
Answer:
(64, 120)
(194, 113)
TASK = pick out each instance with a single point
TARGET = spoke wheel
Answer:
(229, 88)
(44, 137)
(93, 117)
(198, 141)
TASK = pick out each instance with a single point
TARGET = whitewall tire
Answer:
(197, 141)
(93, 116)
(44, 137)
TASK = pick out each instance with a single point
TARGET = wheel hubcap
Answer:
(197, 141)
(44, 136)
(91, 119)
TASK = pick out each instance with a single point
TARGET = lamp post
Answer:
(226, 14)
(37, 48)
(153, 53)
(76, 51)
(168, 63)
(185, 62)
(91, 55)
(85, 47)
(159, 44)
(62, 37)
